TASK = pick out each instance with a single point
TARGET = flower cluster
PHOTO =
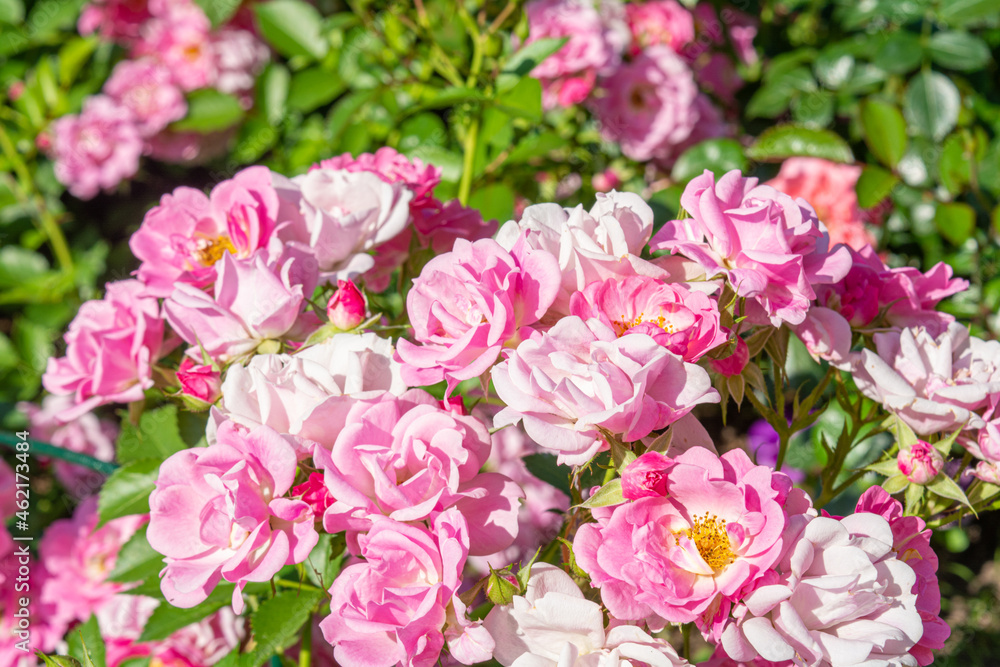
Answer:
(652, 71)
(173, 50)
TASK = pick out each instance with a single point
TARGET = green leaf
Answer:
(914, 494)
(167, 619)
(545, 468)
(218, 11)
(785, 141)
(494, 201)
(885, 131)
(888, 468)
(834, 65)
(313, 88)
(874, 185)
(901, 53)
(157, 436)
(945, 486)
(86, 644)
(954, 166)
(814, 109)
(137, 561)
(963, 11)
(72, 57)
(277, 622)
(127, 490)
(895, 484)
(272, 91)
(523, 100)
(959, 50)
(769, 101)
(955, 221)
(424, 129)
(18, 265)
(715, 155)
(530, 55)
(57, 660)
(209, 111)
(11, 11)
(325, 560)
(535, 145)
(292, 27)
(905, 437)
(931, 104)
(606, 496)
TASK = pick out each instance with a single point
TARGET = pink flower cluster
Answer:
(172, 50)
(644, 68)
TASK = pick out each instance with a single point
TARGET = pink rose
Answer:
(988, 471)
(111, 347)
(253, 300)
(116, 20)
(313, 491)
(912, 544)
(912, 296)
(646, 476)
(79, 560)
(179, 37)
(648, 106)
(42, 627)
(346, 308)
(244, 530)
(86, 434)
(408, 459)
(733, 363)
(98, 149)
(591, 246)
(393, 607)
(239, 58)
(597, 38)
(579, 376)
(391, 167)
(663, 22)
(933, 383)
(770, 248)
(683, 320)
(469, 304)
(439, 226)
(840, 595)
(920, 463)
(606, 180)
(827, 335)
(684, 557)
(146, 88)
(199, 381)
(857, 296)
(183, 238)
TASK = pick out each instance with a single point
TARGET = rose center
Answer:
(210, 250)
(709, 534)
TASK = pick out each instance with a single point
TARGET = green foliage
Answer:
(127, 490)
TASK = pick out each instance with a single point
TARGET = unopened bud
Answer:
(346, 309)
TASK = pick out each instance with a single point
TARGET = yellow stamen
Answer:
(213, 249)
(709, 534)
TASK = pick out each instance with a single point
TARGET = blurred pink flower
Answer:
(98, 149)
(111, 347)
(179, 36)
(115, 20)
(146, 88)
(656, 22)
(239, 58)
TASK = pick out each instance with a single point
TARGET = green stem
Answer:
(55, 452)
(468, 162)
(686, 634)
(305, 645)
(297, 585)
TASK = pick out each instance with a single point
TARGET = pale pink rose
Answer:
(244, 530)
(111, 347)
(391, 167)
(115, 20)
(253, 300)
(79, 560)
(829, 189)
(912, 543)
(553, 625)
(597, 37)
(596, 245)
(988, 471)
(199, 381)
(239, 58)
(920, 462)
(146, 88)
(339, 216)
(933, 383)
(469, 304)
(307, 395)
(439, 226)
(179, 36)
(687, 556)
(98, 149)
(770, 248)
(408, 459)
(37, 626)
(839, 596)
(579, 377)
(649, 104)
(86, 434)
(826, 335)
(646, 476)
(393, 608)
(346, 308)
(184, 237)
(663, 22)
(733, 363)
(742, 30)
(986, 445)
(681, 319)
(912, 296)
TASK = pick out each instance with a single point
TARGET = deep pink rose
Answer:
(646, 476)
(111, 347)
(243, 528)
(179, 37)
(649, 104)
(98, 149)
(468, 304)
(393, 607)
(115, 20)
(408, 459)
(346, 308)
(253, 300)
(733, 363)
(391, 167)
(580, 376)
(183, 238)
(439, 226)
(857, 296)
(146, 88)
(826, 335)
(663, 22)
(920, 462)
(683, 320)
(684, 557)
(313, 491)
(199, 381)
(769, 247)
